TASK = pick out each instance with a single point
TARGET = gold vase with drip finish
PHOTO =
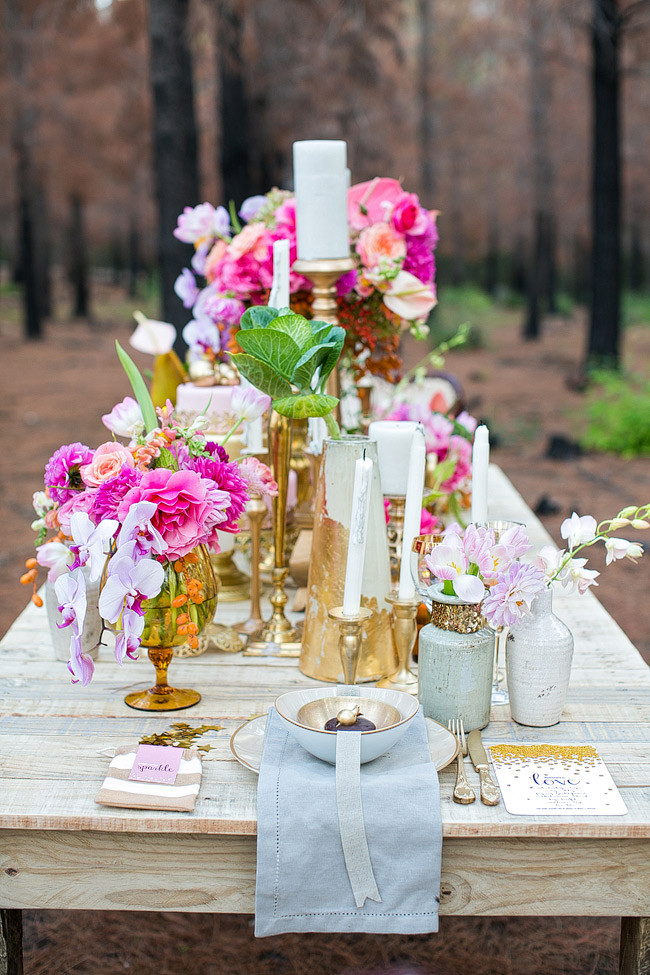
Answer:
(320, 657)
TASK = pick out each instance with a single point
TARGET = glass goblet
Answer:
(421, 573)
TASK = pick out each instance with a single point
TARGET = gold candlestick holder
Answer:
(405, 630)
(364, 392)
(395, 530)
(323, 274)
(278, 630)
(256, 513)
(350, 633)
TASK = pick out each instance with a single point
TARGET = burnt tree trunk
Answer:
(175, 143)
(78, 260)
(637, 270)
(234, 154)
(425, 91)
(540, 96)
(134, 255)
(603, 347)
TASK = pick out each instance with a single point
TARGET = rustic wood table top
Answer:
(59, 849)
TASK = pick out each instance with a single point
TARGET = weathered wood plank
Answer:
(217, 874)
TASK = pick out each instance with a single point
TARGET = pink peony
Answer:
(181, 507)
(380, 244)
(108, 460)
(408, 217)
(254, 239)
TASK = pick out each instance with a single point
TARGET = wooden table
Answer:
(60, 850)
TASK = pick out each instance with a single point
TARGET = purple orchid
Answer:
(129, 580)
(202, 336)
(71, 591)
(138, 528)
(88, 542)
(251, 207)
(186, 288)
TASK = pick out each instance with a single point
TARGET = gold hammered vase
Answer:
(320, 656)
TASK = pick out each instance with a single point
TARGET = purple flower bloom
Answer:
(419, 260)
(251, 207)
(200, 255)
(346, 283)
(62, 475)
(186, 287)
(511, 596)
(478, 542)
(226, 476)
(202, 336)
(138, 528)
(129, 580)
(109, 494)
(248, 402)
(88, 542)
(517, 539)
(71, 591)
(196, 223)
(216, 451)
(213, 306)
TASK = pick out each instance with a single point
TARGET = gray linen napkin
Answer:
(302, 881)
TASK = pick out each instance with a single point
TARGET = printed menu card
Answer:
(548, 780)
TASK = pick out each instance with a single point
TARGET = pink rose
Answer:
(380, 244)
(408, 217)
(367, 201)
(108, 460)
(254, 239)
(181, 507)
(82, 501)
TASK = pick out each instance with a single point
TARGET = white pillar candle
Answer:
(279, 297)
(320, 178)
(393, 438)
(480, 462)
(358, 536)
(412, 511)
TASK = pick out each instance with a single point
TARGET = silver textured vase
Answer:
(455, 660)
(539, 651)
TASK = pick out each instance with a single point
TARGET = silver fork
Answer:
(462, 791)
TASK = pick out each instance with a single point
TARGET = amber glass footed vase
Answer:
(183, 607)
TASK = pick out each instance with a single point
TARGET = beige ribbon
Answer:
(351, 822)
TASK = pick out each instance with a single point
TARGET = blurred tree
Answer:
(175, 142)
(234, 156)
(426, 67)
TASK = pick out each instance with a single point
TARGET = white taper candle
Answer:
(480, 463)
(412, 510)
(358, 536)
(279, 297)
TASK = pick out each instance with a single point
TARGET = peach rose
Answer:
(108, 460)
(253, 239)
(214, 258)
(380, 244)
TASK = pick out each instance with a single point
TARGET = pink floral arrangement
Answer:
(392, 237)
(147, 502)
(474, 567)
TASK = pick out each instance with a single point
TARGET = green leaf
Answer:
(261, 375)
(139, 388)
(301, 406)
(308, 364)
(276, 349)
(294, 326)
(335, 345)
(258, 316)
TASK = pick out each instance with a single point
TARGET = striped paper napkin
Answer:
(119, 790)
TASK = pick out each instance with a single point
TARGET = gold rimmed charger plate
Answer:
(247, 743)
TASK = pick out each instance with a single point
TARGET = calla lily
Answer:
(153, 337)
(408, 297)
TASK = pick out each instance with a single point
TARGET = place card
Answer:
(156, 763)
(549, 780)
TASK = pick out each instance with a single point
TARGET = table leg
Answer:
(635, 946)
(11, 942)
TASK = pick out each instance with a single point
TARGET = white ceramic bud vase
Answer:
(539, 650)
(455, 662)
(92, 622)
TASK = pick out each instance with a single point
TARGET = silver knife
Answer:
(490, 794)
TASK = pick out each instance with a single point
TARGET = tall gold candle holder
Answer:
(404, 633)
(323, 274)
(364, 392)
(395, 530)
(278, 630)
(350, 633)
(256, 513)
